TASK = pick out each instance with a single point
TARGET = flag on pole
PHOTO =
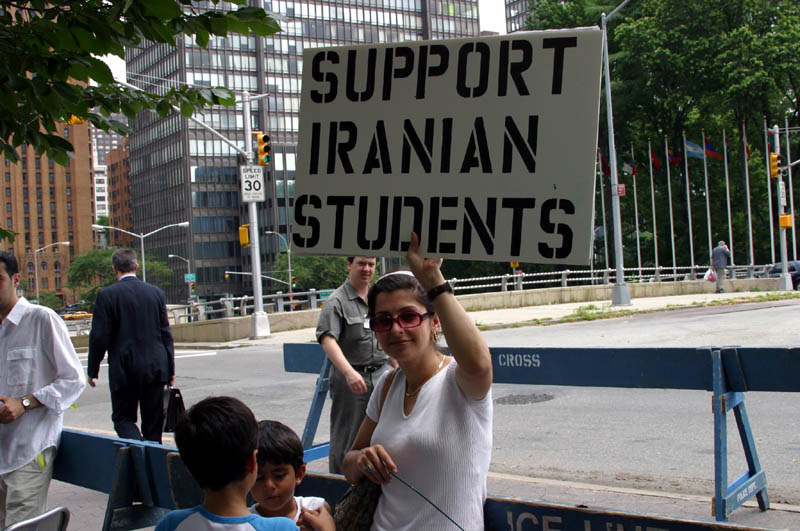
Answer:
(627, 168)
(653, 157)
(674, 159)
(693, 150)
(711, 152)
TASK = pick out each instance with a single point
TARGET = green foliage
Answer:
(6, 234)
(318, 272)
(696, 67)
(103, 220)
(92, 271)
(48, 58)
(50, 299)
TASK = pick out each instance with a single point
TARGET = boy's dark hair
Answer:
(124, 260)
(216, 438)
(278, 445)
(10, 262)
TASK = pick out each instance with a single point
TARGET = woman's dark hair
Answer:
(397, 281)
(278, 445)
(216, 439)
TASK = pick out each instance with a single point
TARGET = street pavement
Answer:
(88, 507)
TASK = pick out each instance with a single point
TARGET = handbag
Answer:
(354, 510)
(173, 408)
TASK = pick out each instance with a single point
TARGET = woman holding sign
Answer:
(433, 430)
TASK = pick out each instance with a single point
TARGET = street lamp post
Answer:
(36, 265)
(188, 270)
(288, 254)
(141, 238)
(620, 294)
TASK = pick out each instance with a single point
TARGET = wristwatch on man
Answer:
(26, 403)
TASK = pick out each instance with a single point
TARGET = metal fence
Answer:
(305, 300)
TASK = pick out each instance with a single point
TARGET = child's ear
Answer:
(299, 474)
(252, 463)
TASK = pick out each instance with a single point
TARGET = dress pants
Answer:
(149, 398)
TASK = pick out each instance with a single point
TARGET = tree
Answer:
(318, 272)
(50, 299)
(50, 71)
(92, 271)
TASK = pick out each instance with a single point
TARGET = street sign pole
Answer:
(786, 279)
(259, 325)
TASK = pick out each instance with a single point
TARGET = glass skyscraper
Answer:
(182, 172)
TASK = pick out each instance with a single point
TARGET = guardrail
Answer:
(584, 277)
(311, 299)
(728, 372)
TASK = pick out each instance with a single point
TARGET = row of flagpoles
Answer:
(703, 151)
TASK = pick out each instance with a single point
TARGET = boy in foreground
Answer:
(217, 440)
(280, 470)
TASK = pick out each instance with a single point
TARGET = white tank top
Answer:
(443, 448)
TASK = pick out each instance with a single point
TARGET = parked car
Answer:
(76, 316)
(794, 271)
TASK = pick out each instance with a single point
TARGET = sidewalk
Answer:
(88, 507)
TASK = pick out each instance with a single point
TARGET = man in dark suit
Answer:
(130, 323)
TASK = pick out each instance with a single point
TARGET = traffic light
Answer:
(191, 289)
(773, 164)
(244, 235)
(294, 281)
(263, 151)
(227, 276)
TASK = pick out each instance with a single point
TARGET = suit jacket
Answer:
(130, 323)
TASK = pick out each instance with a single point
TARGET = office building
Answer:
(44, 203)
(516, 14)
(181, 172)
(119, 197)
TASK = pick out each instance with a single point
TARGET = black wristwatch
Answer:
(438, 290)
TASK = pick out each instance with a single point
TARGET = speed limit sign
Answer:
(252, 183)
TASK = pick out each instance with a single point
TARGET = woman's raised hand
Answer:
(427, 270)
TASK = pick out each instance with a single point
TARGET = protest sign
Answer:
(484, 147)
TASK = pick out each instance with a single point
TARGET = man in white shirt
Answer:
(40, 377)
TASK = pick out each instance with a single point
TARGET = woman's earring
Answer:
(435, 336)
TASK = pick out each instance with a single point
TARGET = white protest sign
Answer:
(252, 183)
(484, 147)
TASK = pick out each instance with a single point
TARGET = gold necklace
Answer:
(441, 361)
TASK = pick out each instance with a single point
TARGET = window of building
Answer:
(45, 284)
(8, 191)
(58, 282)
(69, 206)
(27, 223)
(27, 238)
(40, 223)
(39, 207)
(69, 191)
(9, 222)
(54, 236)
(52, 193)
(25, 194)
(43, 266)
(25, 207)
(8, 207)
(38, 175)
(68, 176)
(38, 193)
(41, 238)
(52, 208)
(69, 221)
(56, 266)
(30, 267)
(51, 177)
